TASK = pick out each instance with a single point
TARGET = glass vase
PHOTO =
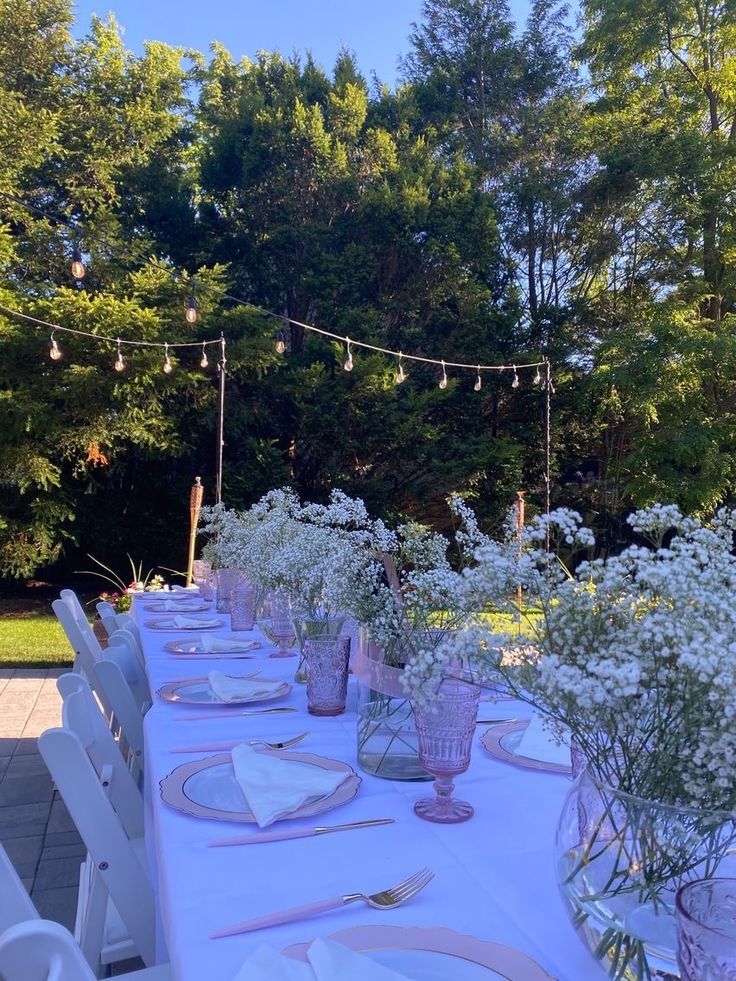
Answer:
(388, 743)
(620, 860)
(307, 627)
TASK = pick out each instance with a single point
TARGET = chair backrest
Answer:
(41, 950)
(107, 616)
(99, 825)
(126, 688)
(81, 715)
(124, 650)
(133, 643)
(15, 903)
(86, 648)
(126, 622)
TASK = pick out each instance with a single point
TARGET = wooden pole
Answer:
(195, 505)
(520, 508)
(220, 421)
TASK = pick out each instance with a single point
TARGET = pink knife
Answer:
(287, 835)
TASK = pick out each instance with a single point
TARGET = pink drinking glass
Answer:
(243, 603)
(326, 662)
(706, 930)
(445, 728)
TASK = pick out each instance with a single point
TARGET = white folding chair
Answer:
(126, 688)
(107, 616)
(15, 903)
(85, 646)
(41, 950)
(115, 912)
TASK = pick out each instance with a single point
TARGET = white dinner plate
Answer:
(185, 607)
(197, 691)
(502, 740)
(434, 954)
(193, 645)
(167, 623)
(208, 788)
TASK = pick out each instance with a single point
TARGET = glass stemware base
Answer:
(444, 808)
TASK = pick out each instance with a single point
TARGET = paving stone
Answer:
(21, 820)
(57, 904)
(4, 761)
(29, 744)
(60, 819)
(23, 789)
(7, 745)
(28, 883)
(75, 849)
(56, 873)
(24, 853)
(27, 765)
(55, 839)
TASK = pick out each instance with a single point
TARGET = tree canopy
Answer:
(524, 192)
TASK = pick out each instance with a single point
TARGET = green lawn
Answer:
(33, 640)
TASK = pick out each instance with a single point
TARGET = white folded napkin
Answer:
(332, 962)
(328, 961)
(221, 645)
(184, 622)
(229, 689)
(538, 743)
(267, 964)
(185, 589)
(275, 788)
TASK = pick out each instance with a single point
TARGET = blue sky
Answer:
(376, 30)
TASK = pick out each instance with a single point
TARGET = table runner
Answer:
(494, 875)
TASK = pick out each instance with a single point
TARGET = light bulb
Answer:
(348, 362)
(400, 373)
(515, 382)
(203, 362)
(167, 366)
(190, 314)
(538, 378)
(55, 352)
(78, 267)
(280, 342)
(443, 379)
(119, 364)
(478, 383)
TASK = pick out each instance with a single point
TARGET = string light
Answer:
(190, 314)
(443, 379)
(119, 362)
(167, 367)
(78, 270)
(203, 362)
(348, 362)
(400, 373)
(77, 267)
(280, 342)
(54, 350)
(537, 378)
(478, 383)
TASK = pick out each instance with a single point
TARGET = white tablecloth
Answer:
(494, 875)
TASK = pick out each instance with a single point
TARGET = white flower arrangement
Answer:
(635, 654)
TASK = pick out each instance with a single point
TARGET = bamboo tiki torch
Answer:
(195, 505)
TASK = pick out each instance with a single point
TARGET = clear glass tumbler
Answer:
(202, 576)
(243, 602)
(227, 580)
(706, 930)
(327, 674)
(279, 628)
(446, 727)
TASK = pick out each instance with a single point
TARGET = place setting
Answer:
(527, 743)
(211, 646)
(218, 688)
(181, 622)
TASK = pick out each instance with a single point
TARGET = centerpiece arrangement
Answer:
(634, 656)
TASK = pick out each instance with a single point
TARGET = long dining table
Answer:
(494, 875)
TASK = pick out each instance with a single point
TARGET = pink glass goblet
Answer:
(227, 580)
(326, 661)
(706, 930)
(243, 602)
(445, 728)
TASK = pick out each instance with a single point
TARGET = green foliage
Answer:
(500, 204)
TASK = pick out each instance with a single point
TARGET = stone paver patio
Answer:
(35, 827)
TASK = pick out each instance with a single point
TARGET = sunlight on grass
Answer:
(34, 640)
